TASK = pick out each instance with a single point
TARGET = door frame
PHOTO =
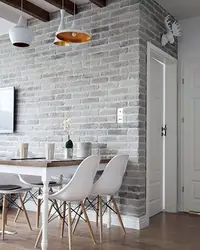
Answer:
(172, 79)
(181, 166)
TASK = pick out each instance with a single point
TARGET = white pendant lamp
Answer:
(57, 41)
(73, 35)
(20, 35)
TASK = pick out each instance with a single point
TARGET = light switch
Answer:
(120, 115)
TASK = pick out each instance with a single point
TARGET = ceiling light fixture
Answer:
(20, 35)
(73, 35)
(57, 41)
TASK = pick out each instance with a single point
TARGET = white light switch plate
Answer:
(120, 115)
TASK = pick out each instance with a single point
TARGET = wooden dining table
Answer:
(44, 169)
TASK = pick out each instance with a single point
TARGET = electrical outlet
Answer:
(120, 115)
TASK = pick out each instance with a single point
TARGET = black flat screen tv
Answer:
(7, 98)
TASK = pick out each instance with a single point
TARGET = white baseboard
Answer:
(131, 222)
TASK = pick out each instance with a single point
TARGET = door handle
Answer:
(164, 130)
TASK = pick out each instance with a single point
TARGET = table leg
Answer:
(109, 222)
(44, 244)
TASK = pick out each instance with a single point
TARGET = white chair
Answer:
(109, 184)
(6, 191)
(76, 190)
(34, 183)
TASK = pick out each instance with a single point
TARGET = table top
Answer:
(46, 163)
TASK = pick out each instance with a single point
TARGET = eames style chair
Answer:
(76, 191)
(108, 184)
(7, 191)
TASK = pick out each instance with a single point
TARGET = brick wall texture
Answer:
(87, 83)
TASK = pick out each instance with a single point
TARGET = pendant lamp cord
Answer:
(22, 6)
(74, 9)
(63, 4)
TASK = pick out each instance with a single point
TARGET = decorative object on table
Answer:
(84, 149)
(23, 150)
(49, 151)
(173, 30)
(67, 126)
(73, 35)
(7, 97)
(57, 41)
(69, 148)
(20, 35)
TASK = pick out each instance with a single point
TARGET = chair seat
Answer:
(13, 189)
(9, 187)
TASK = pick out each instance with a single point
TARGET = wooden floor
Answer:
(166, 232)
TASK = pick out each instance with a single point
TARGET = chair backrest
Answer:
(81, 183)
(29, 179)
(8, 179)
(111, 179)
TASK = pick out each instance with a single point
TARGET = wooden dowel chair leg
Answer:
(101, 219)
(6, 213)
(88, 222)
(19, 210)
(3, 216)
(40, 233)
(118, 215)
(63, 219)
(25, 212)
(38, 238)
(38, 210)
(69, 226)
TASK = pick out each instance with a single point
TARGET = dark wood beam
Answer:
(100, 3)
(30, 9)
(68, 5)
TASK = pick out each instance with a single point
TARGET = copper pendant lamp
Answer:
(73, 35)
(57, 41)
(60, 43)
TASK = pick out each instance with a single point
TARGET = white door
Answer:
(191, 136)
(155, 141)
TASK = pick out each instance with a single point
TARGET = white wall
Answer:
(5, 26)
(189, 45)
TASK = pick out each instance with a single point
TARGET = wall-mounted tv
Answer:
(7, 98)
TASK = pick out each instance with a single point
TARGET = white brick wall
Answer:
(88, 83)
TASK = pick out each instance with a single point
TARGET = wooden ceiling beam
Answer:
(29, 8)
(68, 5)
(100, 3)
